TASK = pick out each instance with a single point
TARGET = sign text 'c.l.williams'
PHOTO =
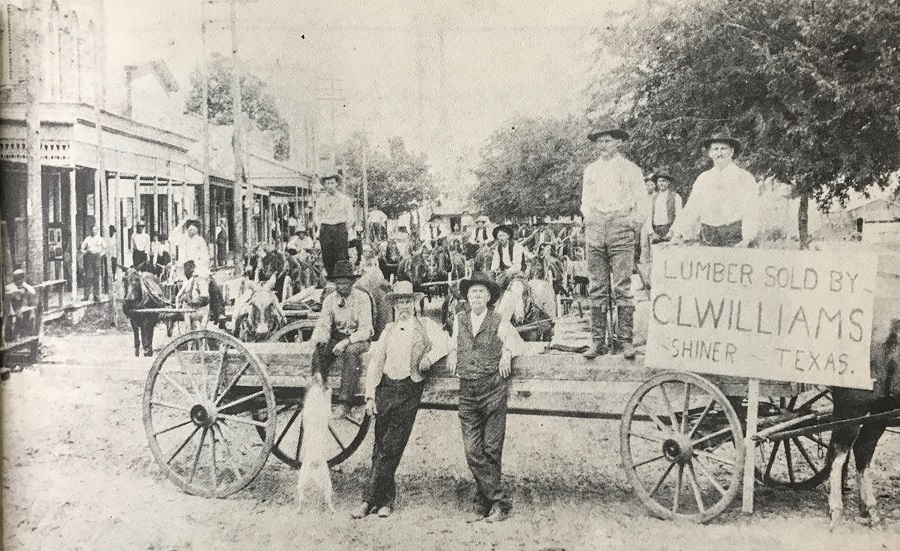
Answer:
(781, 315)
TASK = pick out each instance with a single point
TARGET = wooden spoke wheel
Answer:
(297, 331)
(347, 433)
(682, 447)
(205, 399)
(800, 462)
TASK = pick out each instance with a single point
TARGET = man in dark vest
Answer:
(509, 255)
(481, 354)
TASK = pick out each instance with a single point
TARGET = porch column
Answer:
(73, 238)
(155, 206)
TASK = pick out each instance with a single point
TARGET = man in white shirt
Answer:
(723, 208)
(481, 353)
(140, 246)
(614, 207)
(509, 256)
(92, 248)
(480, 233)
(194, 248)
(332, 213)
(399, 362)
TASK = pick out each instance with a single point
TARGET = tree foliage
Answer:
(256, 102)
(396, 178)
(533, 168)
(809, 86)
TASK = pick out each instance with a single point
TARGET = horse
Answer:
(389, 262)
(850, 403)
(414, 268)
(257, 315)
(517, 304)
(142, 290)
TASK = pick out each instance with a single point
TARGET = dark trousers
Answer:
(350, 363)
(397, 403)
(138, 258)
(91, 275)
(482, 414)
(333, 239)
(728, 235)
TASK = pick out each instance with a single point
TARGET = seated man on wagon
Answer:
(19, 296)
(342, 333)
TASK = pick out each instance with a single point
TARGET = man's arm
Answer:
(322, 332)
(373, 375)
(513, 346)
(687, 220)
(440, 341)
(451, 352)
(495, 261)
(363, 311)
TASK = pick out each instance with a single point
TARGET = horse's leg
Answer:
(863, 451)
(148, 328)
(841, 441)
(135, 329)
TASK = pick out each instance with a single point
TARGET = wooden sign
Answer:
(782, 315)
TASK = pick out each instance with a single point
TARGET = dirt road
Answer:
(78, 474)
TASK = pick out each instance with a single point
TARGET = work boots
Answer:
(626, 331)
(598, 333)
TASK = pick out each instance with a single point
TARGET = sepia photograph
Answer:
(531, 275)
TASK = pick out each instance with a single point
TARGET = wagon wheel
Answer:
(682, 447)
(293, 332)
(347, 433)
(205, 397)
(801, 462)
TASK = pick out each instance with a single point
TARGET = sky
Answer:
(441, 75)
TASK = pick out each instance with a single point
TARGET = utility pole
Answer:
(206, 216)
(365, 190)
(33, 92)
(332, 94)
(238, 149)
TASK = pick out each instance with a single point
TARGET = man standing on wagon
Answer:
(400, 361)
(481, 354)
(723, 208)
(614, 206)
(332, 213)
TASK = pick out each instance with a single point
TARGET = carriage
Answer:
(215, 408)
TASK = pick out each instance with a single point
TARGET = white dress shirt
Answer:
(334, 208)
(721, 197)
(141, 242)
(613, 186)
(514, 262)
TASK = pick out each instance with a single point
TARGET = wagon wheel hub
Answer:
(677, 449)
(204, 415)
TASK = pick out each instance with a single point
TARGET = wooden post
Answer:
(238, 240)
(207, 218)
(34, 208)
(750, 444)
(154, 231)
(135, 211)
(73, 239)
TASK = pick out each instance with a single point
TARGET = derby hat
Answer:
(343, 269)
(481, 278)
(662, 173)
(504, 228)
(403, 289)
(722, 137)
(607, 126)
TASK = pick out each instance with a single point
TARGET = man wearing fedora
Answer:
(480, 233)
(723, 208)
(614, 204)
(481, 353)
(509, 255)
(342, 332)
(398, 364)
(332, 213)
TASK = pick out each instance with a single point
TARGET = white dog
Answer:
(313, 462)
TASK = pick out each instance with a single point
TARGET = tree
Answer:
(809, 86)
(256, 102)
(396, 178)
(533, 168)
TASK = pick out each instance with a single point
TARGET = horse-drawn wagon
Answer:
(216, 407)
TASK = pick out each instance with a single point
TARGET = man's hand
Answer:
(451, 365)
(370, 407)
(340, 347)
(424, 363)
(505, 366)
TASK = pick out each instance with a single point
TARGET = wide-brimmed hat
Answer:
(403, 289)
(19, 274)
(505, 228)
(662, 173)
(343, 269)
(481, 278)
(482, 219)
(607, 126)
(722, 137)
